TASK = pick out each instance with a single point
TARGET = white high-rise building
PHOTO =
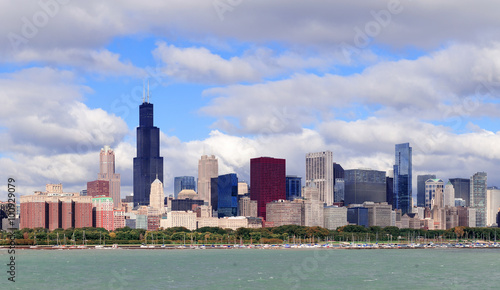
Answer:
(319, 169)
(449, 195)
(107, 172)
(208, 168)
(313, 207)
(157, 197)
(493, 206)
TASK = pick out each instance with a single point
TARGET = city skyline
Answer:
(351, 79)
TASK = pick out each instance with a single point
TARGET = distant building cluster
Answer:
(331, 196)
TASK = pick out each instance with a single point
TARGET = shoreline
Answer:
(345, 246)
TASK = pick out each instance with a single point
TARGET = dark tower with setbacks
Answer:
(148, 165)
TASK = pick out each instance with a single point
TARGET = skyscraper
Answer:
(478, 185)
(267, 181)
(421, 179)
(434, 193)
(148, 165)
(293, 187)
(104, 217)
(208, 168)
(107, 172)
(364, 185)
(157, 197)
(319, 168)
(449, 195)
(403, 178)
(227, 198)
(493, 203)
(183, 182)
(462, 189)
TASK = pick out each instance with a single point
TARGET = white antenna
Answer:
(148, 91)
(143, 92)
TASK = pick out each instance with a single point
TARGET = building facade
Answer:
(358, 215)
(183, 182)
(107, 173)
(104, 216)
(293, 187)
(227, 199)
(247, 207)
(285, 212)
(403, 178)
(462, 189)
(157, 196)
(267, 181)
(148, 165)
(208, 168)
(449, 195)
(421, 193)
(478, 187)
(334, 217)
(431, 187)
(319, 169)
(493, 206)
(98, 188)
(364, 185)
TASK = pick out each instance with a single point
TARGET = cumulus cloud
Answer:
(48, 134)
(457, 82)
(101, 62)
(297, 23)
(200, 65)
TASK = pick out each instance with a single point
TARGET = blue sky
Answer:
(280, 78)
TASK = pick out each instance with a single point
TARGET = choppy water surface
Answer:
(254, 269)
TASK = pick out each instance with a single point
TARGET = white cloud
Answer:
(102, 62)
(457, 82)
(316, 23)
(200, 65)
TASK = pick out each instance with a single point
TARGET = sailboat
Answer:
(99, 246)
(145, 245)
(152, 242)
(73, 246)
(58, 246)
(34, 246)
(83, 245)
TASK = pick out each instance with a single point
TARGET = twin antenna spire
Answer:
(144, 93)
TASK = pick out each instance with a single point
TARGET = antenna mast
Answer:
(143, 92)
(148, 91)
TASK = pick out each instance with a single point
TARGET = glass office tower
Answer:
(183, 182)
(227, 200)
(293, 187)
(403, 178)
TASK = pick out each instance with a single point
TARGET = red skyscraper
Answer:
(267, 181)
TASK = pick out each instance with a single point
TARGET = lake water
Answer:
(254, 269)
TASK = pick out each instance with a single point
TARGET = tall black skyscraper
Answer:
(148, 164)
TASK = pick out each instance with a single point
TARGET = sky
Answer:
(242, 79)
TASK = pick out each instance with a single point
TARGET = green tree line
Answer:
(215, 235)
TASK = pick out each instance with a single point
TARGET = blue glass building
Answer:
(183, 182)
(358, 216)
(403, 178)
(227, 197)
(293, 187)
(148, 165)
